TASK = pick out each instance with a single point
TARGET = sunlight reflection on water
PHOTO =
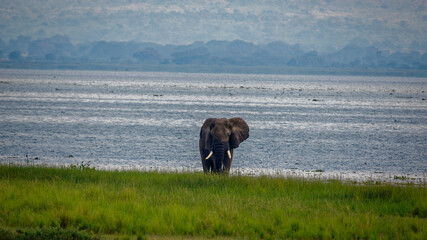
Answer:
(304, 123)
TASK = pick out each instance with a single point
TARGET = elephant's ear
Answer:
(205, 133)
(239, 132)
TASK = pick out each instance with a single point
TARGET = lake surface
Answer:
(146, 120)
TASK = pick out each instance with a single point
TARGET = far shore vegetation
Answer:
(194, 68)
(84, 203)
(237, 56)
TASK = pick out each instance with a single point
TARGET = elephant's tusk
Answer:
(210, 155)
(229, 154)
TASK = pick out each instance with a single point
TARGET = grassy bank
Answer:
(191, 204)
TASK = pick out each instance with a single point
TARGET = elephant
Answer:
(218, 138)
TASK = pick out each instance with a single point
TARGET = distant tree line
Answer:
(240, 53)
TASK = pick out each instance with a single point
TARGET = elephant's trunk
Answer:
(219, 150)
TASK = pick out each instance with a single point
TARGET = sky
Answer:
(321, 25)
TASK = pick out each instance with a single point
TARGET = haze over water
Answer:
(334, 124)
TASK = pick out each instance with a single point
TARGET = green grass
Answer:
(204, 206)
(51, 233)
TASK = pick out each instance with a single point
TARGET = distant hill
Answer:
(324, 26)
(212, 53)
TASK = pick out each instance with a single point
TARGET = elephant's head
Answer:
(218, 138)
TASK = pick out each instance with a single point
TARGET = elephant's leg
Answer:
(207, 165)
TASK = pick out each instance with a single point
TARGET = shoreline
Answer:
(356, 177)
(359, 177)
(227, 69)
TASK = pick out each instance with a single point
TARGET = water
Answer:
(122, 120)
